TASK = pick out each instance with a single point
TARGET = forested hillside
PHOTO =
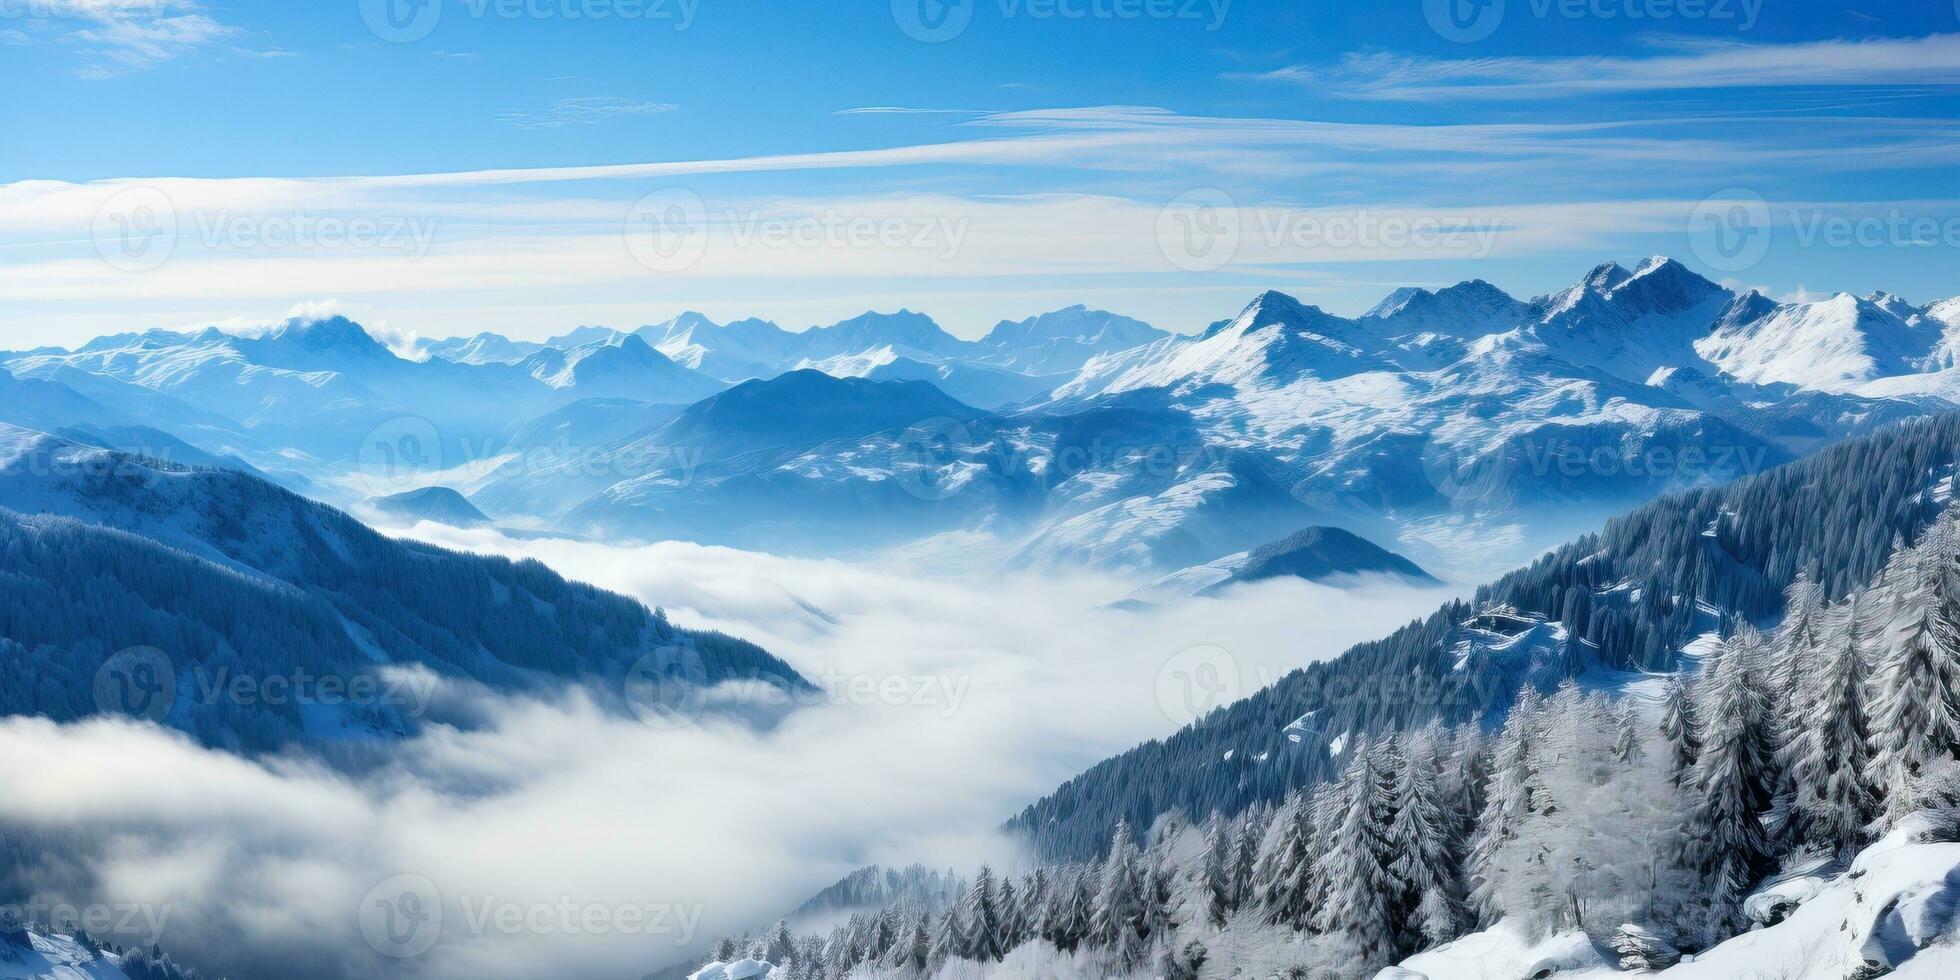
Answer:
(1818, 763)
(1627, 597)
(230, 577)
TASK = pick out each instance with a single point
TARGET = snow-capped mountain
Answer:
(620, 366)
(1460, 426)
(1468, 309)
(1061, 341)
(483, 348)
(734, 352)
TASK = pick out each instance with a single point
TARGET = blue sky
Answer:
(487, 164)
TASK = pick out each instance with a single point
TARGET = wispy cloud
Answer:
(582, 111)
(897, 110)
(122, 36)
(1675, 64)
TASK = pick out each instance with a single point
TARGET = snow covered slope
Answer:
(1894, 912)
(215, 569)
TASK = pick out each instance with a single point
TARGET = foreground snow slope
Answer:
(1896, 909)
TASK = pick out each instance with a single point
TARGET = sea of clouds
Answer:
(556, 837)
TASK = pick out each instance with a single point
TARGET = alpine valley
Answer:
(1699, 719)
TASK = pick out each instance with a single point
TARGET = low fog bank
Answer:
(560, 839)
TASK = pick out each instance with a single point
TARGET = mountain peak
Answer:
(1470, 308)
(1605, 276)
(330, 333)
(1274, 304)
(1662, 285)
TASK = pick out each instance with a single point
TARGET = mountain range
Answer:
(1461, 427)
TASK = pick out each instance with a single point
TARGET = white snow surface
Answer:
(1897, 907)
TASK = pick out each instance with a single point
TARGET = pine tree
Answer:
(781, 946)
(1245, 856)
(981, 913)
(1419, 839)
(1010, 914)
(1733, 779)
(1028, 920)
(1916, 684)
(1119, 899)
(1507, 802)
(1793, 647)
(1074, 921)
(914, 952)
(1216, 870)
(1626, 735)
(1829, 756)
(1681, 730)
(1360, 889)
(1287, 879)
(949, 940)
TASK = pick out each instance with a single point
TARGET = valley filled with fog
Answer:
(949, 702)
